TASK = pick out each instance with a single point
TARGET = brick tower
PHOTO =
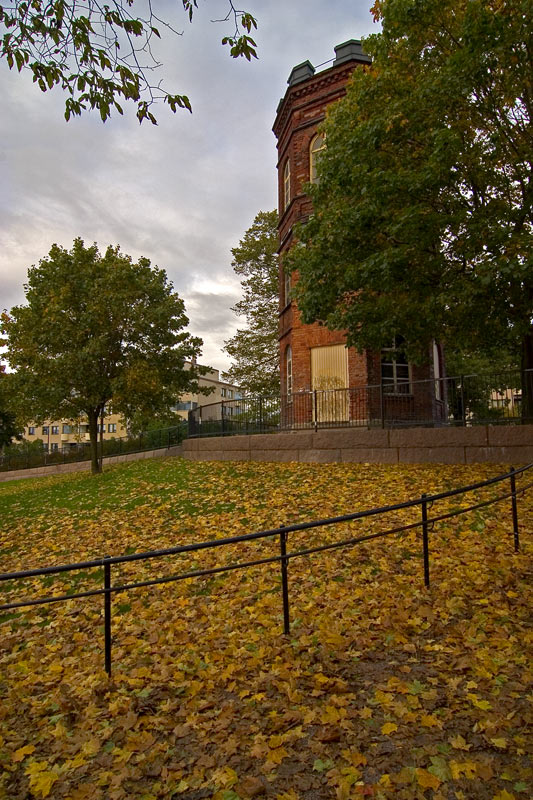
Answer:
(320, 376)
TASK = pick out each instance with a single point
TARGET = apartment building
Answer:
(69, 434)
(221, 390)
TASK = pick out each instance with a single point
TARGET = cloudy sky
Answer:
(182, 193)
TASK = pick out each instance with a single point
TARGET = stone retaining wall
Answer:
(511, 445)
(85, 466)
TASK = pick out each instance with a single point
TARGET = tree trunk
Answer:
(96, 466)
(527, 377)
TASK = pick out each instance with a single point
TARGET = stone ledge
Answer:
(506, 435)
(350, 437)
(431, 455)
(514, 455)
(370, 455)
(315, 456)
(438, 437)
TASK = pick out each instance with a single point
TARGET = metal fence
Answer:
(425, 523)
(26, 457)
(461, 400)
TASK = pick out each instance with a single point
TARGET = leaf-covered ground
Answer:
(384, 689)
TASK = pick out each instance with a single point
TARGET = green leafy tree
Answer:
(101, 54)
(98, 331)
(255, 349)
(423, 222)
(10, 430)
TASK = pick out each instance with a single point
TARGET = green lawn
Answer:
(383, 689)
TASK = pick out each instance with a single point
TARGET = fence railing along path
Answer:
(426, 523)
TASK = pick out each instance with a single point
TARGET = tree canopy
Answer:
(423, 215)
(101, 55)
(98, 331)
(10, 430)
(255, 349)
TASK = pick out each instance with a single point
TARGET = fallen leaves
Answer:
(383, 689)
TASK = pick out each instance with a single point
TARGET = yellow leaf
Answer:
(466, 768)
(459, 743)
(389, 727)
(504, 795)
(426, 780)
(20, 754)
(365, 713)
(429, 721)
(501, 743)
(41, 779)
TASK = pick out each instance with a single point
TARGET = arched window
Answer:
(288, 367)
(286, 287)
(318, 144)
(286, 185)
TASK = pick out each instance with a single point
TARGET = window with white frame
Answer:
(31, 431)
(316, 148)
(286, 185)
(437, 372)
(287, 287)
(395, 369)
(111, 427)
(55, 430)
(46, 430)
(288, 367)
(54, 447)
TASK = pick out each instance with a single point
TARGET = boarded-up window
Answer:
(329, 377)
(329, 367)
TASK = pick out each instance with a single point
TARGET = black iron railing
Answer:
(425, 523)
(498, 398)
(20, 457)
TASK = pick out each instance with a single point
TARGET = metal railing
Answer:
(461, 400)
(426, 523)
(20, 457)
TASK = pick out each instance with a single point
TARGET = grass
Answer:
(383, 688)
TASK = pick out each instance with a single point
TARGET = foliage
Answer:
(423, 222)
(99, 54)
(255, 349)
(383, 689)
(98, 331)
(10, 430)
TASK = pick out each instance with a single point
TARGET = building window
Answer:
(55, 430)
(286, 185)
(112, 427)
(437, 372)
(45, 447)
(54, 447)
(288, 366)
(230, 394)
(287, 287)
(46, 430)
(316, 148)
(395, 369)
(67, 429)
(223, 391)
(31, 431)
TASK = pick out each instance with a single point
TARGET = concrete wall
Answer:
(511, 445)
(85, 466)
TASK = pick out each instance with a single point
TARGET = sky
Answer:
(181, 193)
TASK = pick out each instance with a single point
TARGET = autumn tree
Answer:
(254, 349)
(423, 222)
(98, 331)
(10, 430)
(101, 55)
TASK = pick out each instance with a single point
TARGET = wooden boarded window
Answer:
(329, 378)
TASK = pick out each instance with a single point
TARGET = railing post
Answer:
(515, 510)
(381, 404)
(284, 582)
(107, 614)
(463, 407)
(315, 401)
(425, 540)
